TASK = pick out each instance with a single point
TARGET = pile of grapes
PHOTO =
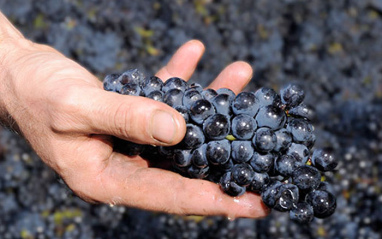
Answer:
(258, 142)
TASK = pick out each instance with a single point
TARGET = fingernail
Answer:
(163, 127)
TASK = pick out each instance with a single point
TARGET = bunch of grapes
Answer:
(253, 141)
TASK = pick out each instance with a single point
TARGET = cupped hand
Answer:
(69, 120)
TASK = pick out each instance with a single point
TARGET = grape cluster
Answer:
(253, 141)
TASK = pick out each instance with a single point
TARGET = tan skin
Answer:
(63, 112)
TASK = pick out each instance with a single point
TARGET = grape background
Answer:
(332, 48)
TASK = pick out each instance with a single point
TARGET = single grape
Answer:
(292, 95)
(111, 83)
(156, 95)
(284, 140)
(243, 126)
(193, 138)
(323, 203)
(324, 160)
(306, 177)
(302, 213)
(262, 163)
(299, 151)
(264, 139)
(131, 89)
(304, 111)
(152, 84)
(216, 126)
(230, 187)
(300, 129)
(267, 96)
(245, 103)
(222, 104)
(208, 94)
(190, 96)
(218, 152)
(201, 110)
(198, 157)
(242, 174)
(271, 116)
(173, 97)
(228, 92)
(133, 76)
(174, 83)
(242, 151)
(270, 193)
(181, 157)
(259, 182)
(288, 196)
(285, 165)
(183, 111)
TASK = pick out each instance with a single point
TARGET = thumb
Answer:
(134, 118)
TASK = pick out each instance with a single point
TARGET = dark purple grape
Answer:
(174, 83)
(222, 104)
(173, 97)
(264, 140)
(198, 157)
(267, 96)
(193, 138)
(270, 193)
(242, 174)
(183, 111)
(191, 96)
(300, 129)
(152, 84)
(306, 177)
(208, 94)
(292, 95)
(324, 160)
(111, 83)
(259, 182)
(201, 110)
(196, 172)
(288, 196)
(132, 89)
(182, 157)
(323, 203)
(303, 110)
(262, 163)
(230, 187)
(285, 165)
(156, 95)
(271, 116)
(227, 91)
(242, 151)
(245, 103)
(284, 140)
(299, 151)
(133, 77)
(243, 126)
(196, 86)
(218, 152)
(216, 126)
(302, 213)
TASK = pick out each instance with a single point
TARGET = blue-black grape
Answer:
(245, 103)
(218, 152)
(271, 116)
(262, 163)
(222, 104)
(324, 160)
(292, 95)
(324, 203)
(201, 110)
(242, 151)
(174, 83)
(193, 138)
(242, 174)
(216, 126)
(264, 139)
(243, 127)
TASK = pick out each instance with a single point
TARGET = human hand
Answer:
(69, 120)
